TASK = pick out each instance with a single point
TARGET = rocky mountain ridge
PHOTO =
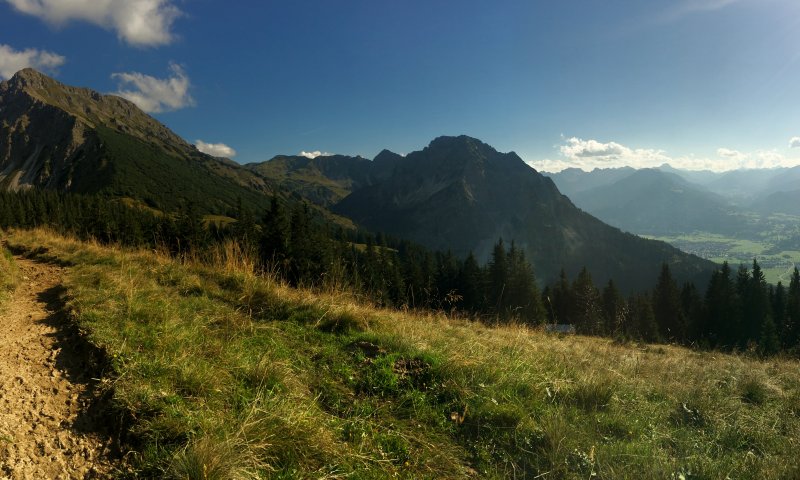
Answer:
(75, 139)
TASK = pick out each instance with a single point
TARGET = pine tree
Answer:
(793, 311)
(667, 309)
(498, 277)
(613, 308)
(722, 311)
(244, 229)
(523, 299)
(643, 319)
(756, 305)
(778, 307)
(769, 343)
(563, 301)
(274, 245)
(471, 284)
(692, 311)
(588, 316)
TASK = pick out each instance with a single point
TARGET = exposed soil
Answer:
(50, 423)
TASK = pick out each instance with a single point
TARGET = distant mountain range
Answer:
(650, 201)
(456, 194)
(668, 201)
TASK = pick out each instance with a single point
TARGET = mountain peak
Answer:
(29, 79)
(29, 87)
(387, 156)
(450, 141)
(29, 73)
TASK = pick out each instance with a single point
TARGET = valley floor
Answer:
(47, 429)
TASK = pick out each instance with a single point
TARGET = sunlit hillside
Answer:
(213, 372)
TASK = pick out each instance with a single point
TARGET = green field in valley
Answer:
(776, 263)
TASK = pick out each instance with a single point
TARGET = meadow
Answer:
(214, 372)
(776, 259)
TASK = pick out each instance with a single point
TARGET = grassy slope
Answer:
(8, 275)
(226, 375)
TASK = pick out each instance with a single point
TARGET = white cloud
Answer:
(215, 149)
(590, 154)
(12, 61)
(591, 148)
(137, 22)
(731, 154)
(314, 154)
(582, 153)
(794, 142)
(154, 95)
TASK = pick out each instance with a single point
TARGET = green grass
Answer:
(8, 275)
(776, 265)
(226, 375)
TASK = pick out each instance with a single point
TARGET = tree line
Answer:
(296, 243)
(737, 311)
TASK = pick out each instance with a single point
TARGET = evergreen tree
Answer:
(721, 309)
(522, 299)
(563, 301)
(792, 328)
(588, 316)
(667, 308)
(244, 229)
(447, 287)
(756, 306)
(189, 230)
(498, 277)
(778, 307)
(471, 284)
(613, 309)
(769, 343)
(692, 311)
(643, 320)
(274, 247)
(309, 252)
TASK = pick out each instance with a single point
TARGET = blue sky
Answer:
(696, 83)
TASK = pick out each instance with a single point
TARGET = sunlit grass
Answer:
(8, 274)
(226, 374)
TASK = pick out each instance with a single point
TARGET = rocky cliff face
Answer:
(41, 144)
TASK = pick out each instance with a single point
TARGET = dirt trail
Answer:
(48, 417)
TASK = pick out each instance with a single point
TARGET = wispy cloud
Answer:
(314, 154)
(590, 154)
(688, 7)
(12, 61)
(794, 142)
(154, 95)
(137, 22)
(215, 149)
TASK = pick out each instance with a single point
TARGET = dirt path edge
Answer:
(54, 420)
